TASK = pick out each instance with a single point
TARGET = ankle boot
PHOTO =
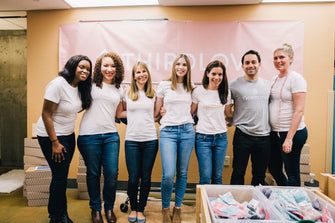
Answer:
(96, 216)
(110, 216)
(176, 216)
(166, 215)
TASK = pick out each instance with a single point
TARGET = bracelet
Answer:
(54, 140)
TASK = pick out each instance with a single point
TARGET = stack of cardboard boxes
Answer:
(37, 174)
(81, 180)
(305, 166)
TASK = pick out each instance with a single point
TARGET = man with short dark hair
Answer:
(250, 95)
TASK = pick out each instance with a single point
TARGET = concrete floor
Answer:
(13, 208)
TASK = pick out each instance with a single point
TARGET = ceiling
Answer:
(25, 5)
(13, 12)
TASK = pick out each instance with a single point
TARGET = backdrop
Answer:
(158, 42)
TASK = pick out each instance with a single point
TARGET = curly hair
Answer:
(97, 75)
(223, 87)
(84, 87)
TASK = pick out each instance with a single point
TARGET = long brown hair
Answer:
(223, 87)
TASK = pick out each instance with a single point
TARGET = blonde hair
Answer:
(287, 48)
(187, 78)
(133, 90)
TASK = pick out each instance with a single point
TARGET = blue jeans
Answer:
(140, 159)
(244, 146)
(101, 150)
(290, 160)
(211, 152)
(57, 206)
(176, 145)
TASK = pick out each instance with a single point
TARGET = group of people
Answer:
(268, 119)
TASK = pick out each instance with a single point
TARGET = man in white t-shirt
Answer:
(250, 96)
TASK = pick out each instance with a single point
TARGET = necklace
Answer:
(280, 98)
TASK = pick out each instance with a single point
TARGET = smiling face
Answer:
(141, 76)
(108, 70)
(82, 72)
(181, 68)
(282, 61)
(251, 66)
(215, 76)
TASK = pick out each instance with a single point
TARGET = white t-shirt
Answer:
(140, 119)
(281, 113)
(100, 117)
(177, 104)
(68, 103)
(210, 111)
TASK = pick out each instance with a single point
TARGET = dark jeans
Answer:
(245, 145)
(57, 206)
(101, 150)
(140, 159)
(290, 160)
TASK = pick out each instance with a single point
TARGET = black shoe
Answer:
(64, 219)
(68, 219)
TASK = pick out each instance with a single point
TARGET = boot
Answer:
(176, 215)
(111, 218)
(96, 216)
(166, 215)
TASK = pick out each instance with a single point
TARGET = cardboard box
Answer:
(304, 159)
(304, 178)
(305, 149)
(81, 162)
(35, 172)
(312, 196)
(240, 194)
(38, 202)
(38, 181)
(37, 195)
(32, 151)
(323, 182)
(31, 143)
(38, 188)
(305, 168)
(82, 169)
(37, 161)
(331, 186)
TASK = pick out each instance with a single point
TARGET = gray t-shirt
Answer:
(251, 105)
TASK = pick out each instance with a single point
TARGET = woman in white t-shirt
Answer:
(288, 130)
(141, 141)
(98, 140)
(64, 97)
(211, 141)
(176, 133)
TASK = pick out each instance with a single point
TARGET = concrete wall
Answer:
(13, 100)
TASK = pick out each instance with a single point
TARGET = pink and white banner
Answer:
(158, 42)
